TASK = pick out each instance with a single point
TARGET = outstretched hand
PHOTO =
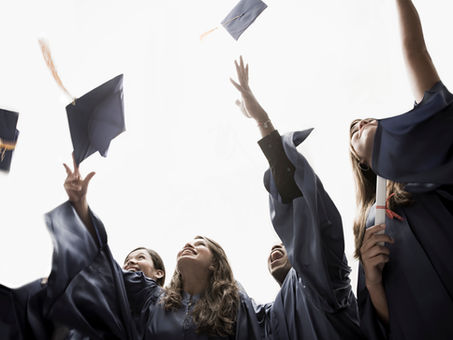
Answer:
(249, 105)
(76, 187)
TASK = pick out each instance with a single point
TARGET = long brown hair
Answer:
(365, 182)
(215, 312)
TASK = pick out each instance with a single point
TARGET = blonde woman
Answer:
(405, 288)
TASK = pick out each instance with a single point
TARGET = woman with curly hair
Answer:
(90, 293)
(405, 288)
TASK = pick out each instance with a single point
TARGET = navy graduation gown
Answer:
(418, 279)
(22, 317)
(88, 290)
(315, 300)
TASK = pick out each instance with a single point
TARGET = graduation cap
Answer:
(240, 17)
(95, 118)
(8, 137)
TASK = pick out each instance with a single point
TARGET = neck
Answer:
(194, 282)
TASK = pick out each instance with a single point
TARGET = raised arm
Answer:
(249, 105)
(271, 144)
(421, 71)
(76, 187)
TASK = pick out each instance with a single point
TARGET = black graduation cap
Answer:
(242, 16)
(96, 118)
(8, 137)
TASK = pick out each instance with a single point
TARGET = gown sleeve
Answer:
(310, 227)
(21, 309)
(251, 319)
(85, 288)
(417, 147)
(10, 327)
(281, 167)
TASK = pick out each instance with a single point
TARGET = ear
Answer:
(159, 273)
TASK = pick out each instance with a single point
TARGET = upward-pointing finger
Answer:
(236, 85)
(76, 168)
(68, 169)
(88, 178)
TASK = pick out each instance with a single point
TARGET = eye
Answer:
(141, 257)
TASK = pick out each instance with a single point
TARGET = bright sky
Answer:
(188, 163)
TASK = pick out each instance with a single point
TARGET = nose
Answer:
(130, 261)
(189, 245)
(362, 123)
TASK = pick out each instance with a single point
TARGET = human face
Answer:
(362, 138)
(278, 263)
(195, 252)
(140, 260)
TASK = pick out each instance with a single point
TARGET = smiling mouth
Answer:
(276, 255)
(133, 269)
(188, 251)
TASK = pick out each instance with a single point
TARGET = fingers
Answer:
(237, 86)
(76, 168)
(88, 178)
(373, 230)
(376, 251)
(376, 239)
(242, 71)
(68, 169)
(379, 260)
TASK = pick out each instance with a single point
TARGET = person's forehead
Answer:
(199, 239)
(138, 252)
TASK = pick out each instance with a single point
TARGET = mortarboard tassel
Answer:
(45, 49)
(5, 146)
(205, 34)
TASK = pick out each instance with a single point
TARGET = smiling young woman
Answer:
(413, 152)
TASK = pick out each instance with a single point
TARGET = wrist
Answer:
(375, 284)
(80, 205)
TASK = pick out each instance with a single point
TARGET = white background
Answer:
(188, 163)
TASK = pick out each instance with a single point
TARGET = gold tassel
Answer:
(5, 146)
(205, 34)
(45, 49)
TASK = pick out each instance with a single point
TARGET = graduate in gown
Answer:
(405, 286)
(22, 313)
(315, 300)
(88, 291)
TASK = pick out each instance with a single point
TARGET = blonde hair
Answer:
(215, 312)
(365, 182)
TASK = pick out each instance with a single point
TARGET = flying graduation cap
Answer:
(8, 137)
(240, 17)
(95, 118)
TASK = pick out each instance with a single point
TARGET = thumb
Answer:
(88, 178)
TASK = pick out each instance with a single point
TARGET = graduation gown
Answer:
(417, 148)
(22, 317)
(315, 300)
(89, 291)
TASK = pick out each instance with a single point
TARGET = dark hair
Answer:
(215, 312)
(157, 262)
(365, 181)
